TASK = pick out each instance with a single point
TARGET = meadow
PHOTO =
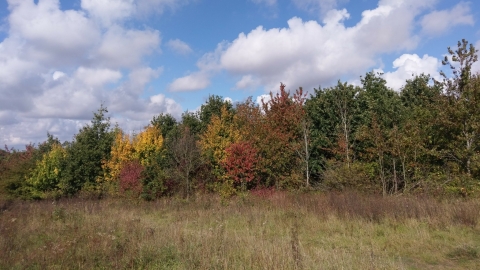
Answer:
(263, 230)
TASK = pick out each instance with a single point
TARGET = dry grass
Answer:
(278, 231)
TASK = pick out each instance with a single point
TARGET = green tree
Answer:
(419, 136)
(461, 112)
(191, 120)
(90, 147)
(164, 122)
(381, 113)
(48, 171)
(334, 115)
(213, 106)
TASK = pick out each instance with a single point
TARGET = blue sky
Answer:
(59, 60)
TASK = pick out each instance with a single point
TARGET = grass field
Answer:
(272, 231)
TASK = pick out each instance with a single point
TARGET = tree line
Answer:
(421, 139)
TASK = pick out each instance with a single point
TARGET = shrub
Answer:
(131, 178)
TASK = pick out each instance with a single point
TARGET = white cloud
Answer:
(57, 67)
(126, 48)
(208, 65)
(312, 54)
(308, 54)
(245, 82)
(49, 34)
(35, 130)
(263, 98)
(97, 77)
(192, 82)
(57, 75)
(109, 11)
(409, 65)
(439, 22)
(179, 47)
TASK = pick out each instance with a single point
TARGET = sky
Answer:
(60, 60)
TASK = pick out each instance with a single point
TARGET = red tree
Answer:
(240, 163)
(131, 178)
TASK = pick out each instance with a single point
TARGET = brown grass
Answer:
(276, 231)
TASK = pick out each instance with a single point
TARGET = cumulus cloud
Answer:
(439, 22)
(308, 53)
(179, 46)
(40, 26)
(35, 130)
(109, 11)
(192, 82)
(409, 65)
(126, 48)
(57, 67)
(208, 65)
(263, 99)
(246, 82)
(97, 77)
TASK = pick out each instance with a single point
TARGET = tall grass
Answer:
(274, 231)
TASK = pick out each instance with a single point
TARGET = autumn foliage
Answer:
(131, 178)
(241, 162)
(423, 138)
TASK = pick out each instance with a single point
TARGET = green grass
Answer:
(278, 231)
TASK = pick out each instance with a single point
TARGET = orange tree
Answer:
(144, 151)
(282, 126)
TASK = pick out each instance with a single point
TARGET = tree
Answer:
(462, 107)
(146, 149)
(213, 106)
(85, 155)
(334, 115)
(121, 152)
(219, 134)
(283, 117)
(147, 145)
(192, 121)
(186, 156)
(241, 163)
(381, 112)
(418, 134)
(48, 171)
(164, 122)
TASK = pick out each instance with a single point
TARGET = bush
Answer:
(131, 179)
(359, 176)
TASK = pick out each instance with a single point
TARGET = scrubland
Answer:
(263, 230)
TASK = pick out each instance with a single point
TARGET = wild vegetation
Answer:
(263, 230)
(346, 177)
(369, 138)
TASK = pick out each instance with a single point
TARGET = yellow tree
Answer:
(142, 148)
(47, 173)
(122, 151)
(147, 144)
(218, 136)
